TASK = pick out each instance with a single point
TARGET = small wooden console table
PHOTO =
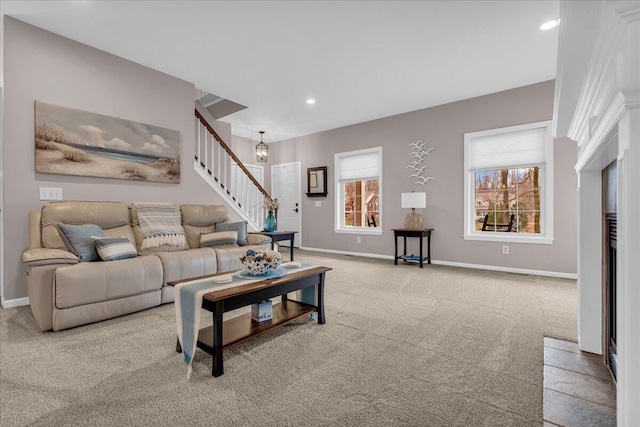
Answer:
(409, 232)
(278, 236)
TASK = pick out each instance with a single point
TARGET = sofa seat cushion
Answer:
(87, 283)
(187, 264)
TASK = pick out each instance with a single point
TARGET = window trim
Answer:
(546, 202)
(339, 201)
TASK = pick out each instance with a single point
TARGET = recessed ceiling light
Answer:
(311, 101)
(549, 25)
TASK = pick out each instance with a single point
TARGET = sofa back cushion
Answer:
(201, 219)
(137, 232)
(112, 217)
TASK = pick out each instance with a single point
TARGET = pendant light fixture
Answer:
(261, 150)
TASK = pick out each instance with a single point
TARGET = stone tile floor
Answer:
(578, 390)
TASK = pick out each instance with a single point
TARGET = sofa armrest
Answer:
(40, 291)
(257, 239)
(44, 256)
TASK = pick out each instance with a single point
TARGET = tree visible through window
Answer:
(358, 178)
(505, 192)
(361, 203)
(509, 174)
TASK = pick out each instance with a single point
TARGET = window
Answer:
(499, 194)
(508, 180)
(358, 184)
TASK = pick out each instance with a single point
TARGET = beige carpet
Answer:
(402, 346)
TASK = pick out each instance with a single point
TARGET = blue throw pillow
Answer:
(240, 227)
(114, 248)
(77, 239)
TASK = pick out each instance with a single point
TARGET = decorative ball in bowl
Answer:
(259, 263)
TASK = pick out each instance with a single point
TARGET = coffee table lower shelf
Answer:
(241, 328)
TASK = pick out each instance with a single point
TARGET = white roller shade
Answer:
(508, 150)
(360, 165)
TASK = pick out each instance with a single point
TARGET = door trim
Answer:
(2, 269)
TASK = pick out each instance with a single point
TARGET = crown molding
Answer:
(598, 77)
(604, 96)
(594, 144)
(628, 10)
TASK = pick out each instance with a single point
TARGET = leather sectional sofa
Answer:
(65, 292)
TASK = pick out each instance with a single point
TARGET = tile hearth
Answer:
(578, 390)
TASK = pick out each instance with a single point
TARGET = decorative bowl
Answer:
(259, 263)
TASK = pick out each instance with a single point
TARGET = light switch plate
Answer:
(49, 193)
(318, 204)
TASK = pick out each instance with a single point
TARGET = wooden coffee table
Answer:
(225, 334)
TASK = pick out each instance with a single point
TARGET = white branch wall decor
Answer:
(419, 154)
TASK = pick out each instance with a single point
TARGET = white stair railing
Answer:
(224, 172)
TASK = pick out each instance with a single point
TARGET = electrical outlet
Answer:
(318, 204)
(505, 249)
(358, 239)
(48, 193)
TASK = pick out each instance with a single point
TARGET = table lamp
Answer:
(414, 200)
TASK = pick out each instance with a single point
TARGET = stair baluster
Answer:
(213, 159)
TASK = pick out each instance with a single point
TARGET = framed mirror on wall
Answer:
(317, 182)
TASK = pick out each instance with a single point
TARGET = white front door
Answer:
(286, 185)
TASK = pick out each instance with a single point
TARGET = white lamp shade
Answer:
(414, 200)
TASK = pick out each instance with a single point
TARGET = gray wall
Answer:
(245, 149)
(443, 128)
(39, 65)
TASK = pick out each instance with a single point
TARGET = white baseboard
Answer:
(17, 302)
(331, 251)
(509, 269)
(459, 264)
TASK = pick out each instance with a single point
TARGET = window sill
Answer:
(369, 231)
(509, 238)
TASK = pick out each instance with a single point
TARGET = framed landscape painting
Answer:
(76, 142)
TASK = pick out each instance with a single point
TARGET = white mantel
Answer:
(597, 104)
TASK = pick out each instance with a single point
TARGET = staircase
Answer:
(225, 173)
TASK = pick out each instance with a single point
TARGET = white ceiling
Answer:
(360, 60)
